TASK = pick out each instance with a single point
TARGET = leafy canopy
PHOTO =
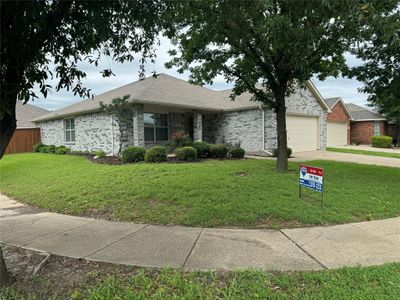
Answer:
(265, 47)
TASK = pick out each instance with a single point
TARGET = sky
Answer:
(128, 72)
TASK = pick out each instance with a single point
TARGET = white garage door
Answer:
(302, 132)
(336, 134)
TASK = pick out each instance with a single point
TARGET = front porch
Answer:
(154, 125)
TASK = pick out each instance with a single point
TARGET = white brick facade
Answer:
(96, 131)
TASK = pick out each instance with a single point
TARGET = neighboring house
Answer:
(365, 123)
(27, 133)
(166, 104)
(338, 123)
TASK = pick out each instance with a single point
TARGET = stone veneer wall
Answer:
(234, 127)
(92, 132)
(245, 126)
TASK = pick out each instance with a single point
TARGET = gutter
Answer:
(263, 133)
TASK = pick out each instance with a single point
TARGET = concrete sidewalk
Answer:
(370, 148)
(358, 244)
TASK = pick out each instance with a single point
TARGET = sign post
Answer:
(312, 178)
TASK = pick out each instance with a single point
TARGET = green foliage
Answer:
(202, 148)
(237, 152)
(275, 152)
(382, 141)
(156, 154)
(133, 154)
(180, 139)
(186, 153)
(47, 149)
(99, 154)
(122, 110)
(218, 151)
(37, 147)
(61, 150)
(266, 48)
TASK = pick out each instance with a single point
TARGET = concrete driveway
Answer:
(346, 157)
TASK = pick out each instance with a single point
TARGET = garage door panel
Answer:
(337, 134)
(302, 132)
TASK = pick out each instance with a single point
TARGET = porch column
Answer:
(197, 126)
(138, 126)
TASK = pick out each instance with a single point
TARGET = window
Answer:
(155, 127)
(377, 128)
(69, 128)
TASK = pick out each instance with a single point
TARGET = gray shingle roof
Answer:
(359, 113)
(25, 113)
(331, 101)
(161, 90)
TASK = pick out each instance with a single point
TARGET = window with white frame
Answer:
(69, 130)
(377, 128)
(155, 127)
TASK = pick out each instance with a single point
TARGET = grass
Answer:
(381, 282)
(245, 193)
(364, 152)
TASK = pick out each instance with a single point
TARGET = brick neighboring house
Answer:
(365, 123)
(338, 123)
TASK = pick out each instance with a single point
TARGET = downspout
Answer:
(263, 132)
(112, 135)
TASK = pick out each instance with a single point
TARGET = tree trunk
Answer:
(4, 278)
(7, 127)
(9, 92)
(398, 132)
(280, 109)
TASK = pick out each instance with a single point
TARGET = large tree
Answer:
(266, 47)
(38, 34)
(379, 49)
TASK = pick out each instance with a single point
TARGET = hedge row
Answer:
(382, 141)
(42, 148)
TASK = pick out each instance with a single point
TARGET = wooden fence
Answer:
(23, 140)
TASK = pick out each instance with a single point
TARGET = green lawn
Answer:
(382, 282)
(364, 152)
(245, 193)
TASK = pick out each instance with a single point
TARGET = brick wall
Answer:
(338, 114)
(362, 132)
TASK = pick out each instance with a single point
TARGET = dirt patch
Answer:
(109, 160)
(59, 277)
(241, 174)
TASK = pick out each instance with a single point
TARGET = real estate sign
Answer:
(312, 178)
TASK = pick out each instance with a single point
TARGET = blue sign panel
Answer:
(312, 178)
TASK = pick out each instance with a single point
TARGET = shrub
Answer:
(289, 152)
(218, 151)
(61, 150)
(100, 154)
(382, 141)
(133, 154)
(237, 152)
(156, 154)
(37, 147)
(180, 139)
(186, 153)
(202, 148)
(48, 149)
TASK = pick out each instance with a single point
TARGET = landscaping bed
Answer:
(68, 278)
(212, 193)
